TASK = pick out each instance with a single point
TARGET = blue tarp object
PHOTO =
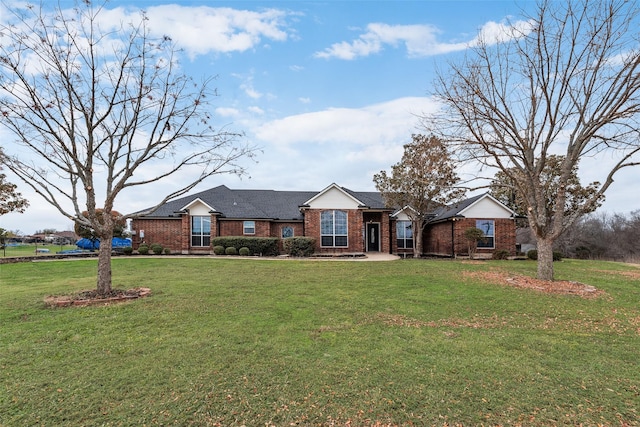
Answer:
(116, 242)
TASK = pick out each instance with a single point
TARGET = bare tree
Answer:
(421, 182)
(503, 188)
(97, 109)
(565, 82)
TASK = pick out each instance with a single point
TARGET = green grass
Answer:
(30, 250)
(259, 343)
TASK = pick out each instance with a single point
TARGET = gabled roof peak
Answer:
(332, 187)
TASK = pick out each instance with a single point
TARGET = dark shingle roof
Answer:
(249, 204)
(281, 205)
(370, 199)
(448, 212)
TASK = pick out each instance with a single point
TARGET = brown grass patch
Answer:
(476, 322)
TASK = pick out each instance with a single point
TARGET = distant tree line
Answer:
(599, 235)
(603, 236)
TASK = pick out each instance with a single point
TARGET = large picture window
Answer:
(404, 234)
(488, 228)
(333, 229)
(200, 231)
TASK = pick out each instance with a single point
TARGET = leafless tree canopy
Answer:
(567, 82)
(603, 236)
(98, 108)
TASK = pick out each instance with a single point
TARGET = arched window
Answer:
(287, 231)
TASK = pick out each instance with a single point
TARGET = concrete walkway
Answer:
(367, 256)
(377, 256)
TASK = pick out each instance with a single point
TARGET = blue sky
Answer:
(329, 90)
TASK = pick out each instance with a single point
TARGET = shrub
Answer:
(267, 246)
(299, 246)
(143, 249)
(167, 251)
(473, 235)
(583, 252)
(218, 250)
(128, 250)
(157, 249)
(230, 251)
(244, 251)
(501, 254)
(533, 254)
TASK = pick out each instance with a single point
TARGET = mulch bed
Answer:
(92, 297)
(547, 286)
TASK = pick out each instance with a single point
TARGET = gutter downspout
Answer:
(453, 244)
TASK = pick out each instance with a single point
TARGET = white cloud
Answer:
(501, 32)
(247, 85)
(343, 145)
(304, 100)
(256, 110)
(390, 121)
(201, 30)
(197, 30)
(227, 112)
(418, 40)
(250, 91)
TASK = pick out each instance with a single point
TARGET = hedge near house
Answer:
(264, 246)
(299, 246)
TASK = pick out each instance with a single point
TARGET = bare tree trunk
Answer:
(417, 238)
(545, 259)
(104, 266)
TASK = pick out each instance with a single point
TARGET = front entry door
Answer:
(373, 237)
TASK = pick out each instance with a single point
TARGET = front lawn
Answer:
(261, 342)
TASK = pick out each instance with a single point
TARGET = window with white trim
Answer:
(404, 234)
(249, 227)
(200, 231)
(488, 229)
(333, 229)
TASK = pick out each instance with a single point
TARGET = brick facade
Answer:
(438, 237)
(444, 237)
(355, 231)
(175, 233)
(166, 232)
(230, 227)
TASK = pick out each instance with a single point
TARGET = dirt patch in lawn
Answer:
(547, 286)
(92, 297)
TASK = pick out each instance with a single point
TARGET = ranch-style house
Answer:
(340, 220)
